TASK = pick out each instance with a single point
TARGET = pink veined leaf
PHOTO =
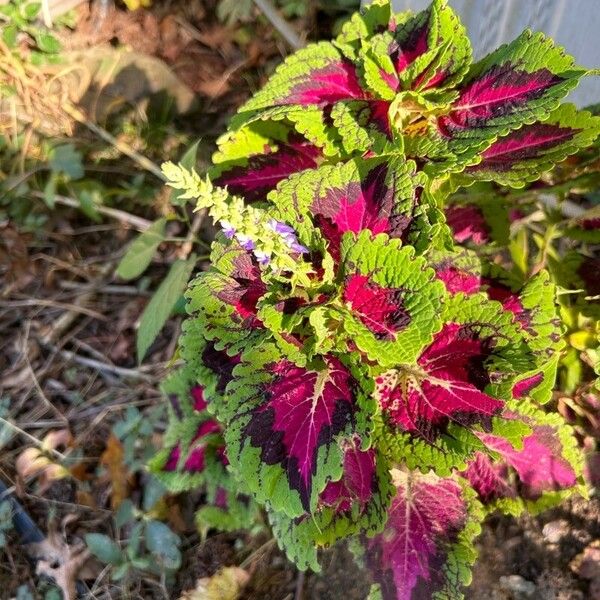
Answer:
(523, 387)
(489, 480)
(425, 520)
(303, 411)
(195, 461)
(411, 42)
(458, 280)
(368, 204)
(356, 485)
(243, 291)
(199, 401)
(448, 387)
(468, 224)
(380, 309)
(539, 465)
(329, 84)
(527, 143)
(498, 92)
(263, 172)
(414, 45)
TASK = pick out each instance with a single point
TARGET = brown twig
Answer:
(284, 29)
(134, 221)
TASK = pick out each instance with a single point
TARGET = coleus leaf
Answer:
(357, 503)
(519, 83)
(364, 127)
(193, 453)
(541, 473)
(380, 195)
(316, 75)
(227, 509)
(392, 300)
(426, 549)
(254, 159)
(224, 300)
(285, 425)
(532, 305)
(461, 381)
(536, 312)
(525, 153)
(429, 50)
(479, 223)
(212, 368)
(372, 18)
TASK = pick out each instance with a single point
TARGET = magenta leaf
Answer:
(374, 195)
(468, 224)
(254, 177)
(426, 547)
(539, 465)
(448, 387)
(380, 309)
(317, 75)
(427, 51)
(225, 303)
(513, 85)
(194, 449)
(490, 480)
(544, 469)
(286, 424)
(524, 154)
(357, 503)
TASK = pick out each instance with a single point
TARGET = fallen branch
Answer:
(105, 367)
(134, 221)
(284, 29)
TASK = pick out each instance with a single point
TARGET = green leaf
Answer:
(47, 43)
(66, 159)
(9, 35)
(160, 306)
(164, 544)
(125, 513)
(104, 549)
(142, 249)
(154, 490)
(30, 10)
(392, 299)
(523, 155)
(89, 200)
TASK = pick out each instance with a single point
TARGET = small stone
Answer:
(518, 586)
(555, 531)
(587, 564)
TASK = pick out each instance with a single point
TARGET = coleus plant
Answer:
(365, 358)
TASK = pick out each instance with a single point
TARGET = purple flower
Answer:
(299, 248)
(281, 228)
(245, 242)
(228, 229)
(262, 258)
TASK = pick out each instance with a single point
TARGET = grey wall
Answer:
(574, 24)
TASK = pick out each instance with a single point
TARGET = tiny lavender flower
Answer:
(228, 229)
